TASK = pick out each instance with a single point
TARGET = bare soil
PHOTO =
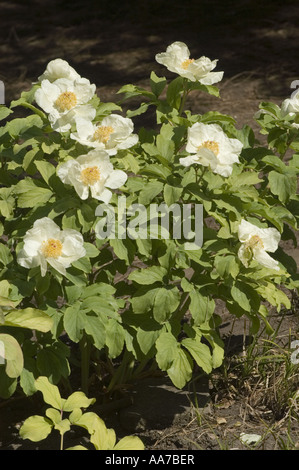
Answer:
(113, 43)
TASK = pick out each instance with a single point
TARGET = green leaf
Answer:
(157, 84)
(7, 385)
(91, 250)
(28, 376)
(31, 193)
(103, 438)
(78, 447)
(90, 421)
(46, 169)
(165, 303)
(53, 415)
(50, 392)
(52, 361)
(63, 426)
(227, 266)
(147, 276)
(165, 146)
(156, 170)
(29, 318)
(147, 337)
(275, 162)
(150, 191)
(241, 298)
(172, 194)
(73, 322)
(217, 347)
(174, 91)
(76, 320)
(7, 202)
(13, 355)
(246, 178)
(36, 428)
(167, 350)
(275, 296)
(201, 307)
(283, 185)
(130, 91)
(143, 300)
(200, 352)
(180, 371)
(19, 126)
(140, 110)
(114, 338)
(212, 90)
(4, 112)
(124, 249)
(83, 264)
(129, 443)
(77, 400)
(5, 255)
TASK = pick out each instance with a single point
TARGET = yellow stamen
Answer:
(255, 242)
(102, 134)
(66, 101)
(185, 64)
(52, 248)
(90, 175)
(211, 145)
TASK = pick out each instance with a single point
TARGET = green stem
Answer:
(123, 372)
(184, 97)
(85, 348)
(199, 179)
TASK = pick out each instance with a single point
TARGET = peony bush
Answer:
(114, 308)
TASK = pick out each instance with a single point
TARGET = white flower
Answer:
(59, 68)
(93, 172)
(112, 134)
(64, 99)
(46, 243)
(210, 146)
(290, 105)
(177, 60)
(255, 244)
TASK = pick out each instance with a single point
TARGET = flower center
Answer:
(90, 175)
(211, 145)
(102, 134)
(66, 101)
(185, 64)
(52, 248)
(255, 242)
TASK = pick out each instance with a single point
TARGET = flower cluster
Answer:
(209, 146)
(65, 96)
(86, 200)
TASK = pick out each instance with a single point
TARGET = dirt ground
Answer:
(113, 43)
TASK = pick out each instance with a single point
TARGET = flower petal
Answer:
(264, 259)
(116, 179)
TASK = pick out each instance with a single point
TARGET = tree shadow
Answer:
(114, 44)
